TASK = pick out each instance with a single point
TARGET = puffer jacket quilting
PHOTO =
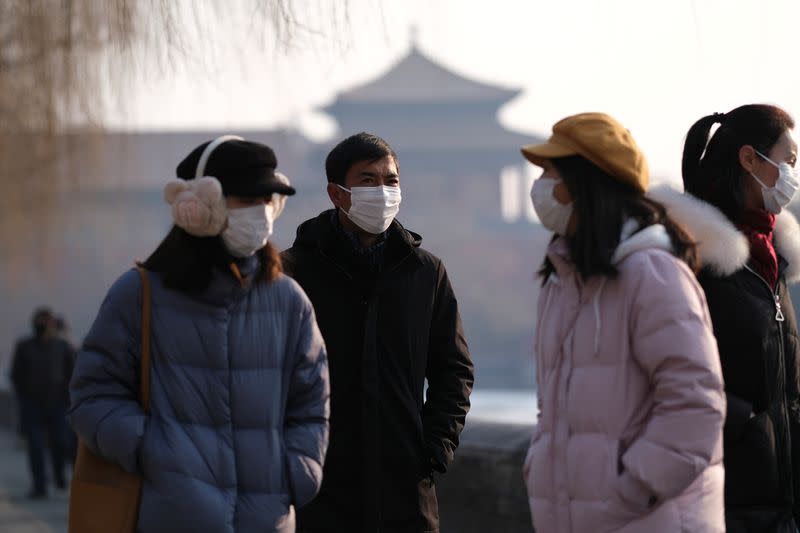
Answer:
(239, 402)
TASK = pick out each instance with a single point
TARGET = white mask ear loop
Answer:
(773, 163)
(763, 185)
(768, 160)
(345, 189)
(210, 147)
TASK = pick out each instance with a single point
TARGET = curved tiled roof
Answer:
(416, 78)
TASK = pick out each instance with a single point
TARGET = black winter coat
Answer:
(759, 354)
(387, 330)
(41, 370)
(756, 333)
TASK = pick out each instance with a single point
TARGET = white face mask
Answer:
(373, 208)
(779, 196)
(552, 214)
(248, 230)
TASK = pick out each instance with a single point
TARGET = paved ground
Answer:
(17, 514)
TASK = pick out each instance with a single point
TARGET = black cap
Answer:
(243, 168)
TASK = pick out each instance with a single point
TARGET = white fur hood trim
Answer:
(787, 243)
(720, 246)
(654, 236)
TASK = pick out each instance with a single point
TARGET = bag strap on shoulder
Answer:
(144, 392)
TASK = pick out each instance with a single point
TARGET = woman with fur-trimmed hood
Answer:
(742, 179)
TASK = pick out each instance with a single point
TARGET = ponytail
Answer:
(693, 150)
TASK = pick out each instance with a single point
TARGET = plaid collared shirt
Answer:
(371, 255)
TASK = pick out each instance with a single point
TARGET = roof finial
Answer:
(413, 33)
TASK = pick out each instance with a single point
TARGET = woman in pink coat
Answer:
(630, 389)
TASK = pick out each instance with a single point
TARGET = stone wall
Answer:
(483, 490)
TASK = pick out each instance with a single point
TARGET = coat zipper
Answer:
(380, 280)
(775, 295)
(779, 318)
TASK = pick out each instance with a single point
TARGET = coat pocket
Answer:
(751, 464)
(628, 497)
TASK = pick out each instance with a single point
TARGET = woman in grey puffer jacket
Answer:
(238, 424)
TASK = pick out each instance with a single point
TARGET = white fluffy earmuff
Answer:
(197, 205)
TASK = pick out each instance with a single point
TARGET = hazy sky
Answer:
(657, 65)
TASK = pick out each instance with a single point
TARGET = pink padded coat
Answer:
(631, 398)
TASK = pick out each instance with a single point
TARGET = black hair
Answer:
(359, 147)
(602, 204)
(711, 169)
(187, 263)
(41, 313)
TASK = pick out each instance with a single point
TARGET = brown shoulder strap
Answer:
(146, 311)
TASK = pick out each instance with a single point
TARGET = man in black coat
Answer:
(390, 322)
(40, 372)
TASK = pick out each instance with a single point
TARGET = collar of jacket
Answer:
(632, 239)
(319, 233)
(225, 288)
(352, 238)
(720, 245)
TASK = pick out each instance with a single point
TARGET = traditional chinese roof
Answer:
(417, 79)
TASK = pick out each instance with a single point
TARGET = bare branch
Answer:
(57, 57)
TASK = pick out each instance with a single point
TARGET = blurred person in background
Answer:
(70, 439)
(40, 371)
(64, 332)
